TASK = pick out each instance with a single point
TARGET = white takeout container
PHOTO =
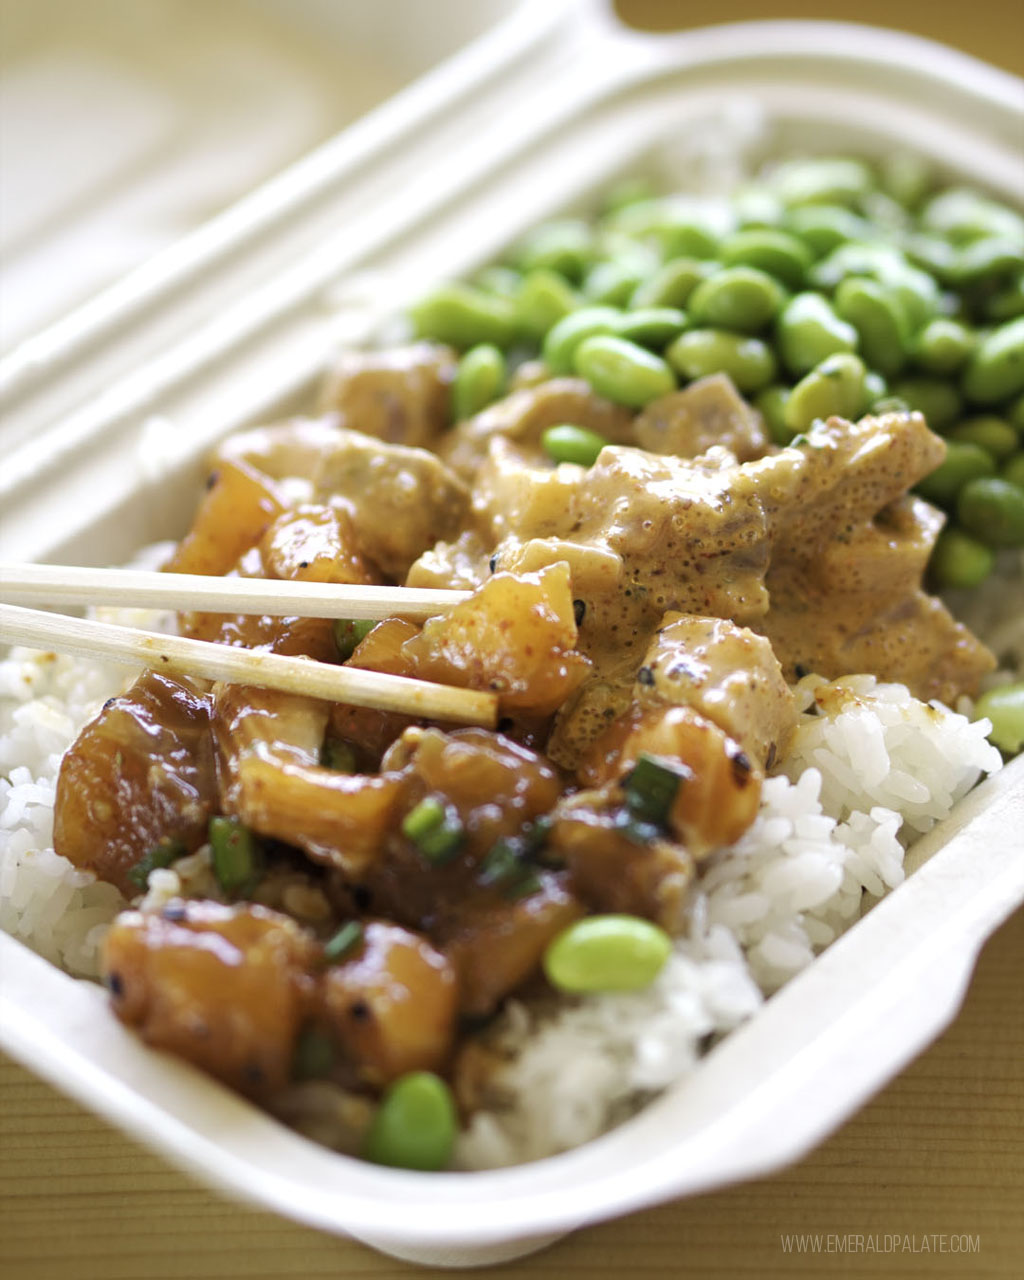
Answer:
(253, 311)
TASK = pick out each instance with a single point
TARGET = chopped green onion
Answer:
(339, 756)
(314, 1054)
(435, 829)
(349, 632)
(503, 862)
(162, 854)
(651, 787)
(234, 853)
(344, 942)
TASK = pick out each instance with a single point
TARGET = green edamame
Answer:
(1013, 471)
(993, 510)
(778, 253)
(565, 246)
(808, 331)
(961, 216)
(607, 953)
(823, 228)
(879, 320)
(833, 387)
(958, 560)
(544, 298)
(1003, 707)
(943, 346)
(653, 327)
(771, 404)
(822, 180)
(742, 299)
(479, 380)
(684, 226)
(996, 370)
(561, 341)
(749, 362)
(672, 284)
(568, 443)
(1006, 303)
(987, 259)
(939, 401)
(463, 317)
(612, 284)
(993, 435)
(963, 463)
(415, 1124)
(623, 371)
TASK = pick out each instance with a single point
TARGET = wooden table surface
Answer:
(935, 1161)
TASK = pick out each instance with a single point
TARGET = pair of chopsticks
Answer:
(42, 584)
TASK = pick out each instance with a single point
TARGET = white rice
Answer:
(870, 768)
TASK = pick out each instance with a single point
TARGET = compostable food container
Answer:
(235, 326)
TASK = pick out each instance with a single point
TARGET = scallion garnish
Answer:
(339, 756)
(234, 853)
(162, 854)
(651, 787)
(435, 829)
(314, 1054)
(349, 632)
(344, 942)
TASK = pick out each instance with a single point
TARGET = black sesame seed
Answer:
(505, 725)
(579, 610)
(360, 1011)
(303, 564)
(212, 479)
(174, 912)
(362, 897)
(115, 985)
(493, 563)
(799, 670)
(645, 676)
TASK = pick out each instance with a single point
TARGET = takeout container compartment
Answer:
(123, 470)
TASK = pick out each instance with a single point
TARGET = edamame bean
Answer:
(479, 380)
(907, 178)
(958, 560)
(876, 388)
(562, 339)
(503, 281)
(672, 284)
(757, 208)
(623, 371)
(1015, 414)
(1013, 471)
(890, 404)
(771, 404)
(992, 257)
(993, 435)
(939, 401)
(544, 299)
(612, 284)
(833, 387)
(822, 180)
(879, 320)
(1006, 303)
(917, 291)
(685, 226)
(1004, 708)
(628, 191)
(996, 370)
(823, 228)
(564, 245)
(568, 443)
(462, 317)
(943, 346)
(742, 299)
(415, 1124)
(963, 463)
(607, 953)
(962, 215)
(930, 253)
(778, 253)
(653, 327)
(808, 330)
(749, 362)
(993, 510)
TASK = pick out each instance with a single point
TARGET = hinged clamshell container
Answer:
(110, 413)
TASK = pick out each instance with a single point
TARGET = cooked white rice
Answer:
(870, 769)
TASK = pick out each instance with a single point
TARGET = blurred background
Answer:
(125, 124)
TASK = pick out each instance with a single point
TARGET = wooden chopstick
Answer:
(57, 584)
(178, 655)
